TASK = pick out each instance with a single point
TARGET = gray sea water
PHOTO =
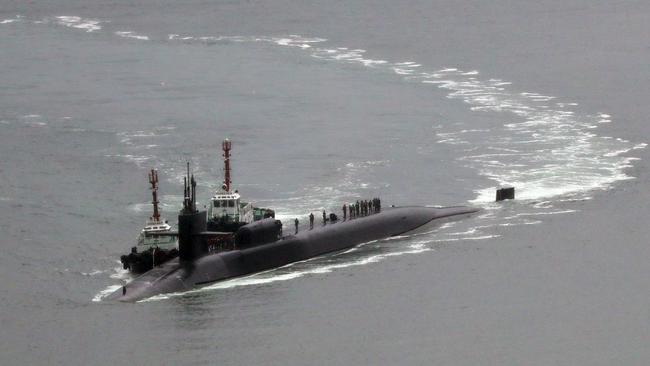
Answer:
(418, 102)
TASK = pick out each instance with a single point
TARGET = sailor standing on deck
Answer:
(296, 223)
(311, 220)
(345, 212)
(324, 218)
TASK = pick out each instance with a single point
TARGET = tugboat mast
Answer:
(153, 179)
(226, 145)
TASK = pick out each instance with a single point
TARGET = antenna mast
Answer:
(153, 179)
(226, 146)
(189, 196)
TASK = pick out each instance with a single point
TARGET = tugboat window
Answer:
(231, 203)
(216, 204)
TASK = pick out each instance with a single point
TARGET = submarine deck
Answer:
(178, 275)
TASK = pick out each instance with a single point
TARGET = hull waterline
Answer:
(180, 275)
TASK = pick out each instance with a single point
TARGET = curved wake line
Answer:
(549, 150)
(132, 35)
(105, 292)
(17, 18)
(271, 276)
(71, 21)
(552, 151)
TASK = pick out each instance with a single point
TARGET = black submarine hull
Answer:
(181, 274)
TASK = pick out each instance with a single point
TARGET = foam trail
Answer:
(132, 35)
(573, 158)
(71, 21)
(17, 18)
(272, 276)
(92, 273)
(544, 149)
(105, 292)
(138, 160)
(555, 151)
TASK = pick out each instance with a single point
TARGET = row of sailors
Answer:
(361, 208)
(351, 211)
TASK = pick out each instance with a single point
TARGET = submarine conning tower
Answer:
(191, 222)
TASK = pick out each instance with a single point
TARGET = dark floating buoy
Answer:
(507, 193)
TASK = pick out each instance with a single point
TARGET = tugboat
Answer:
(157, 243)
(227, 212)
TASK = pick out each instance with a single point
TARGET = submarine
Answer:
(208, 256)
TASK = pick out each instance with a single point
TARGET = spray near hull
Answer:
(196, 269)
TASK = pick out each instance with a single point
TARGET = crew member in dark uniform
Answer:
(345, 212)
(311, 220)
(296, 223)
(357, 209)
(324, 218)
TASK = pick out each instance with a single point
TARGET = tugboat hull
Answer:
(182, 274)
(141, 262)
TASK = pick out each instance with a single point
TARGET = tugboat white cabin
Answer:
(229, 208)
(148, 238)
(227, 212)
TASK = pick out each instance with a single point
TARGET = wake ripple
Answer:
(132, 35)
(15, 19)
(71, 21)
(548, 151)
